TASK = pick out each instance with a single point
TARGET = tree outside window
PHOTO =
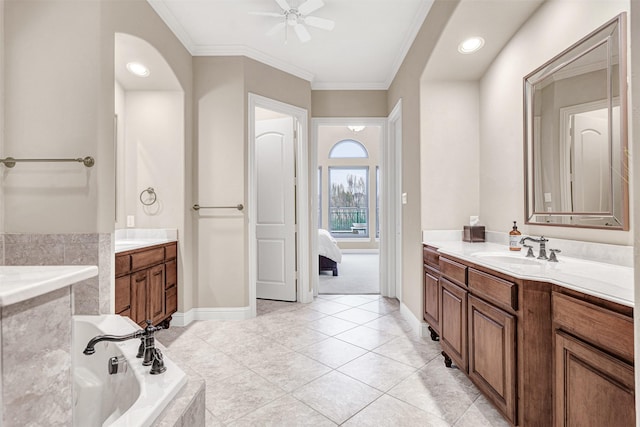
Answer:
(349, 201)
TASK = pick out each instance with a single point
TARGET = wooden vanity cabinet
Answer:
(478, 330)
(492, 354)
(593, 363)
(431, 290)
(146, 284)
(453, 325)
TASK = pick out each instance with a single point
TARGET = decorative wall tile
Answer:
(36, 361)
(92, 296)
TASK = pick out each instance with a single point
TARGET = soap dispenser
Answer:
(514, 238)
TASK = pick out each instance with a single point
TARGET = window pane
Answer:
(348, 149)
(348, 202)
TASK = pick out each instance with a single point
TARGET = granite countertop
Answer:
(20, 283)
(607, 281)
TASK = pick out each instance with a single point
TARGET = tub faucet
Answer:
(543, 248)
(146, 336)
(90, 349)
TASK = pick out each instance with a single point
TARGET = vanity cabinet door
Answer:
(453, 322)
(155, 296)
(592, 388)
(139, 285)
(492, 354)
(123, 296)
(431, 299)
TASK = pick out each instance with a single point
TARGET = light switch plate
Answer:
(131, 221)
(404, 198)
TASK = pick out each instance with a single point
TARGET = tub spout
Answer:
(90, 349)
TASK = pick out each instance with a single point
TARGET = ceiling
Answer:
(364, 51)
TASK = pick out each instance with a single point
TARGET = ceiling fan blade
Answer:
(275, 15)
(310, 6)
(284, 5)
(302, 33)
(276, 28)
(322, 23)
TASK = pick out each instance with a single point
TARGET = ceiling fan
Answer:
(297, 18)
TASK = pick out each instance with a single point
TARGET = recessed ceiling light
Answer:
(138, 69)
(470, 45)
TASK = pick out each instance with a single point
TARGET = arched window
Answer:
(348, 149)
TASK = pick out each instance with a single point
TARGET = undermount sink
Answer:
(507, 258)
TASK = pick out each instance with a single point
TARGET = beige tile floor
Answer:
(342, 360)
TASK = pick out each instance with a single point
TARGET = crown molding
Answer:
(418, 20)
(241, 50)
(160, 7)
(349, 86)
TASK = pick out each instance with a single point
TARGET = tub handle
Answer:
(117, 365)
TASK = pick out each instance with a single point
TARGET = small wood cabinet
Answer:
(146, 284)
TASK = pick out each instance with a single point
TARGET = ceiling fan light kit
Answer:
(297, 18)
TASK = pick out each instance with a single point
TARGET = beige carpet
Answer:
(357, 274)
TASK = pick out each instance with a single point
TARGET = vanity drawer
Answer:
(147, 258)
(453, 271)
(431, 256)
(606, 329)
(123, 264)
(171, 251)
(501, 292)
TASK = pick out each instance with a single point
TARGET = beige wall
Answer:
(222, 85)
(371, 138)
(60, 103)
(52, 100)
(349, 103)
(2, 95)
(501, 120)
(450, 154)
(406, 87)
(154, 157)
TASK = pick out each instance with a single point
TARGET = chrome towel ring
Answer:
(148, 197)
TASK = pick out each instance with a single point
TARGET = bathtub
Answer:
(131, 398)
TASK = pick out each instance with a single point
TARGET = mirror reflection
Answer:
(575, 134)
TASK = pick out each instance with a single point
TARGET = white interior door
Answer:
(275, 209)
(590, 162)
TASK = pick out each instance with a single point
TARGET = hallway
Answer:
(341, 360)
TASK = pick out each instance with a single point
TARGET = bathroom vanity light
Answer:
(470, 45)
(355, 128)
(138, 69)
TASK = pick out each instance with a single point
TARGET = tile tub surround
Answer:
(93, 295)
(36, 360)
(359, 372)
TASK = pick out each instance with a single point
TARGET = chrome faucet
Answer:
(147, 349)
(543, 248)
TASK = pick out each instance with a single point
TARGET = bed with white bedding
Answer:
(329, 252)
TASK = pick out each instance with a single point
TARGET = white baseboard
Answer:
(419, 327)
(218, 313)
